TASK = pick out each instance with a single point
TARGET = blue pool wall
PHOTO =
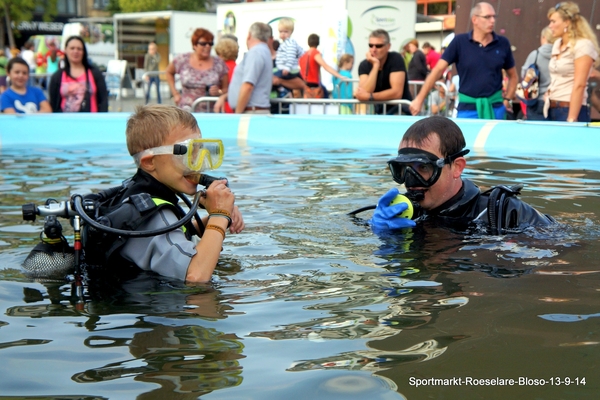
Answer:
(504, 138)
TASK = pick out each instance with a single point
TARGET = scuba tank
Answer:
(104, 229)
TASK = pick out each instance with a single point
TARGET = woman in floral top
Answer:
(200, 73)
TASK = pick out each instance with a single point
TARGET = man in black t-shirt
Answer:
(382, 76)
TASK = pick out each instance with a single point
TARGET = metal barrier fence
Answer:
(320, 106)
(305, 106)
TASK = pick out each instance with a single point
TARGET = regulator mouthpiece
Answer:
(203, 179)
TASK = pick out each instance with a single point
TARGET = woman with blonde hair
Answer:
(573, 55)
(228, 49)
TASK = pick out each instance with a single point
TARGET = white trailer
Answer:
(171, 30)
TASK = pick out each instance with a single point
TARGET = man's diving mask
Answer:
(419, 168)
(194, 155)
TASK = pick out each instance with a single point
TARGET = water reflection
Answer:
(379, 360)
(188, 359)
(306, 303)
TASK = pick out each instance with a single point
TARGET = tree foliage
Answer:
(22, 10)
(160, 5)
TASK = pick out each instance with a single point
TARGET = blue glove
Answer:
(384, 216)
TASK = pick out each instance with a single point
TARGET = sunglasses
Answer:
(377, 46)
(559, 6)
(205, 43)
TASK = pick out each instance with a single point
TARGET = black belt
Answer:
(254, 108)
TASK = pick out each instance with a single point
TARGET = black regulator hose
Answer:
(187, 201)
(77, 200)
(359, 210)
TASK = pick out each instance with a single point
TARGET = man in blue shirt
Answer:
(480, 56)
(250, 87)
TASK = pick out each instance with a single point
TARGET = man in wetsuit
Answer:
(430, 163)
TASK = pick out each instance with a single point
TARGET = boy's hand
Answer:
(284, 72)
(219, 197)
(237, 221)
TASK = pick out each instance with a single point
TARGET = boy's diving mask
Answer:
(419, 168)
(195, 155)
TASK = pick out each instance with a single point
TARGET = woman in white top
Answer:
(573, 55)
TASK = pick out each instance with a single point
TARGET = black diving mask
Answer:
(419, 168)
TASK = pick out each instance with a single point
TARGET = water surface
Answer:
(307, 302)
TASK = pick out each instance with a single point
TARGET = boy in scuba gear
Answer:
(170, 153)
(430, 162)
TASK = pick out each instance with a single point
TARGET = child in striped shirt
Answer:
(288, 53)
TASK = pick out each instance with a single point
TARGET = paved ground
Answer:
(128, 104)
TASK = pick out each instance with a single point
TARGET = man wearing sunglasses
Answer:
(382, 75)
(429, 164)
(480, 56)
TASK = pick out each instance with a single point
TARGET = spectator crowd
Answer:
(474, 76)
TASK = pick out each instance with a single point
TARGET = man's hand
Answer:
(372, 60)
(416, 105)
(220, 104)
(385, 216)
(362, 94)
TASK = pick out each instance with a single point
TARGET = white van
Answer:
(98, 34)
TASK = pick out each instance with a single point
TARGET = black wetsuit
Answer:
(469, 207)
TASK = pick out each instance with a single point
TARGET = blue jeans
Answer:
(499, 113)
(536, 112)
(561, 114)
(156, 80)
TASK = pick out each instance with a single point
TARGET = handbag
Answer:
(528, 89)
(313, 92)
(86, 103)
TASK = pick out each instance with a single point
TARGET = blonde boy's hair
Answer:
(149, 125)
(287, 23)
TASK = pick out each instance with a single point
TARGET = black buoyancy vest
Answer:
(126, 207)
(498, 209)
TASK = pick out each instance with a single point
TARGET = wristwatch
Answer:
(507, 99)
(371, 97)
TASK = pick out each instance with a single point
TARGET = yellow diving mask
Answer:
(194, 155)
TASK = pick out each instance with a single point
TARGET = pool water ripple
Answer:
(307, 300)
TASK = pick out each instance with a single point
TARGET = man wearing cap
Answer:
(430, 163)
(382, 75)
(480, 56)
